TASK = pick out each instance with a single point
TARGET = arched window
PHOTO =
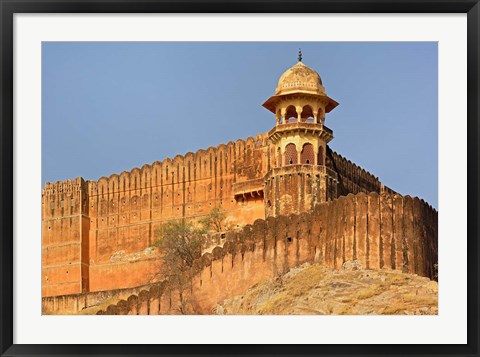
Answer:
(320, 156)
(279, 158)
(291, 157)
(291, 114)
(307, 114)
(307, 156)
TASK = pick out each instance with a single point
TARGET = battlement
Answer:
(377, 231)
(67, 186)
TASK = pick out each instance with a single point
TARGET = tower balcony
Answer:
(313, 170)
(321, 130)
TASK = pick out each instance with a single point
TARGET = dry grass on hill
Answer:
(312, 289)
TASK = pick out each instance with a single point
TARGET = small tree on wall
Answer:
(180, 243)
(214, 221)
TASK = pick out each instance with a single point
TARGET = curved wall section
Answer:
(380, 231)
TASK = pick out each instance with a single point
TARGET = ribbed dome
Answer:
(299, 81)
(300, 78)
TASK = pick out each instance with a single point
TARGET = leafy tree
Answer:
(214, 221)
(180, 244)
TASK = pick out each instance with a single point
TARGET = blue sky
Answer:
(110, 106)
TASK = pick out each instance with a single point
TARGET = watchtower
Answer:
(299, 178)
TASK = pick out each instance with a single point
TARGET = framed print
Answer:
(250, 178)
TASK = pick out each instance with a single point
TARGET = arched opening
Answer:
(291, 114)
(307, 156)
(320, 156)
(279, 157)
(307, 114)
(291, 155)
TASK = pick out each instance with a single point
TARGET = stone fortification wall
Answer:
(65, 230)
(126, 209)
(379, 231)
(85, 222)
(351, 177)
(76, 303)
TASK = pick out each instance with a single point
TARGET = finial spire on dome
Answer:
(299, 55)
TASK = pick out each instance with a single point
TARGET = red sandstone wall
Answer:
(64, 258)
(297, 188)
(75, 303)
(125, 274)
(381, 231)
(122, 212)
(126, 210)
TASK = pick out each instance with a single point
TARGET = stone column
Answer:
(299, 113)
(321, 116)
(283, 113)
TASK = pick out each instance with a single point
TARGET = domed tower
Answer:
(299, 178)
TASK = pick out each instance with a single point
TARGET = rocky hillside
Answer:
(312, 289)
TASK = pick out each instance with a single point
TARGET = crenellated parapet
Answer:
(67, 186)
(231, 158)
(376, 231)
(352, 178)
(64, 198)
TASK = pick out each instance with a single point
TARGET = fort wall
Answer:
(126, 209)
(380, 231)
(76, 303)
(85, 222)
(352, 178)
(65, 229)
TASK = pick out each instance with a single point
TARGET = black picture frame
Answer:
(10, 7)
